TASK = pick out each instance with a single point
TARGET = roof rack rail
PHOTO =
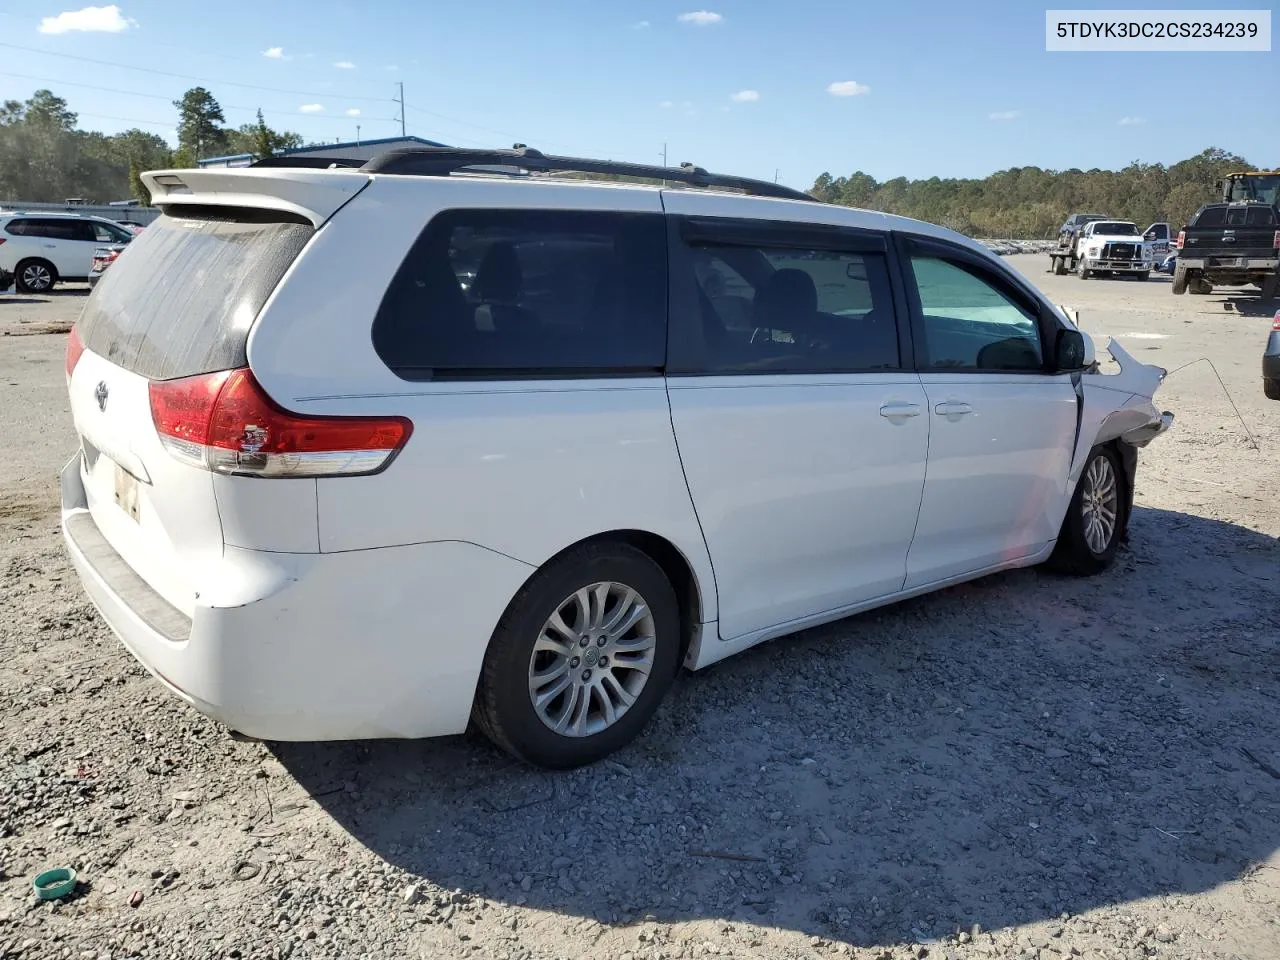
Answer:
(443, 161)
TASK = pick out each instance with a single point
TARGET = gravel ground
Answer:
(1025, 766)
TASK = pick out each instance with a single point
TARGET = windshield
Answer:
(1115, 228)
(1264, 188)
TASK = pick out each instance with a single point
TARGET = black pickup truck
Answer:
(1229, 244)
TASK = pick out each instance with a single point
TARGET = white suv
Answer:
(370, 452)
(40, 249)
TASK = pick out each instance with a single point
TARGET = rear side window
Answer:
(182, 296)
(18, 228)
(513, 293)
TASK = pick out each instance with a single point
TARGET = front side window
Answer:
(792, 310)
(492, 293)
(970, 323)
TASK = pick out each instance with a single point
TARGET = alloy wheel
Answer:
(1100, 504)
(592, 659)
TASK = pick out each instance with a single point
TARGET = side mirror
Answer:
(1070, 351)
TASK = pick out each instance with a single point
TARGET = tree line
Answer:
(46, 157)
(1028, 203)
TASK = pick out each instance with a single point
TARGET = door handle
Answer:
(899, 410)
(952, 409)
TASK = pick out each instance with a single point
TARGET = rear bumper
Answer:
(1271, 357)
(1227, 262)
(370, 643)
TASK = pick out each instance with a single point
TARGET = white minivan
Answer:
(373, 452)
(42, 249)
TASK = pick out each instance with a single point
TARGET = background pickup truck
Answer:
(1229, 244)
(1109, 247)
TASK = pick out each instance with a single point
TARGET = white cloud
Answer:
(274, 53)
(391, 68)
(353, 112)
(746, 96)
(88, 20)
(345, 65)
(700, 18)
(1130, 121)
(847, 88)
(312, 108)
(1004, 115)
(666, 104)
(640, 25)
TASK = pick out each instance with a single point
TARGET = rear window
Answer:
(504, 293)
(182, 296)
(1251, 216)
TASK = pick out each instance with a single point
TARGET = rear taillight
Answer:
(1275, 324)
(75, 347)
(1275, 241)
(224, 422)
(1182, 238)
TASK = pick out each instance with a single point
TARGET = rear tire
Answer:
(1095, 520)
(1201, 288)
(568, 695)
(35, 276)
(1179, 280)
(1271, 388)
(1060, 266)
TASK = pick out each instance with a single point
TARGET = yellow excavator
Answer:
(1258, 186)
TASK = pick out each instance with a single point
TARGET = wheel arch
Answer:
(690, 593)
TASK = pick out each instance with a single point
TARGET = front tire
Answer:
(1270, 287)
(1271, 388)
(581, 658)
(1084, 273)
(35, 276)
(1095, 519)
(1144, 275)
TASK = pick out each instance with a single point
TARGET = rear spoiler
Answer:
(314, 195)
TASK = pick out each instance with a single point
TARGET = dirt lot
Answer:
(1025, 766)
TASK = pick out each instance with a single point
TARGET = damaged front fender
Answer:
(1116, 403)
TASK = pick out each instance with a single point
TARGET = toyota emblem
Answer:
(100, 394)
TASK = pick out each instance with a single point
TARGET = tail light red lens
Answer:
(1275, 323)
(226, 423)
(1275, 241)
(75, 347)
(1182, 238)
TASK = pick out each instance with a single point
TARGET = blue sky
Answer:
(921, 89)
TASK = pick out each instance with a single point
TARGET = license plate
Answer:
(1241, 261)
(126, 492)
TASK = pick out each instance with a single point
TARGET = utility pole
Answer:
(401, 102)
(664, 153)
(357, 134)
(775, 174)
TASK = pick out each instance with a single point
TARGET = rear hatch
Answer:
(1241, 231)
(177, 303)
